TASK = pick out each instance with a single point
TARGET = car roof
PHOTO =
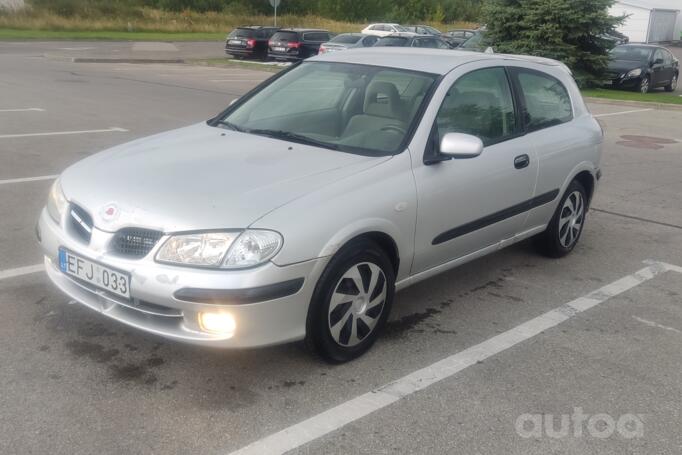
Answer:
(404, 35)
(256, 27)
(651, 46)
(436, 61)
(302, 30)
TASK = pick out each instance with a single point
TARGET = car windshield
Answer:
(631, 53)
(285, 36)
(475, 42)
(393, 41)
(241, 33)
(347, 107)
(346, 39)
(432, 30)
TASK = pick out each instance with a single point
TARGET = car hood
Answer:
(623, 66)
(201, 177)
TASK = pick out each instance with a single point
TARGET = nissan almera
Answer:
(300, 210)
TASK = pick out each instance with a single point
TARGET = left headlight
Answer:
(221, 249)
(635, 72)
(56, 202)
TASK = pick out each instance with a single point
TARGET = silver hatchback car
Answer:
(301, 209)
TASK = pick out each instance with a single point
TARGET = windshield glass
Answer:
(393, 41)
(346, 39)
(631, 53)
(475, 42)
(432, 30)
(285, 36)
(347, 107)
(241, 33)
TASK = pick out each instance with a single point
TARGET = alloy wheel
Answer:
(571, 219)
(673, 83)
(357, 304)
(644, 85)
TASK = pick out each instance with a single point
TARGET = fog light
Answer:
(218, 323)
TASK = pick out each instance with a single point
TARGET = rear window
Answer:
(392, 41)
(316, 36)
(285, 36)
(346, 39)
(242, 33)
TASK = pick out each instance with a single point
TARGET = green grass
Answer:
(14, 34)
(658, 96)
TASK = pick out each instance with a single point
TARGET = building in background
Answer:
(12, 4)
(650, 21)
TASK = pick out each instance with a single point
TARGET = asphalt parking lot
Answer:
(470, 361)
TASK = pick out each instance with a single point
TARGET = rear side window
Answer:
(546, 100)
(479, 103)
(285, 36)
(316, 36)
(369, 41)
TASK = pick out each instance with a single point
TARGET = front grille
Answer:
(81, 222)
(135, 242)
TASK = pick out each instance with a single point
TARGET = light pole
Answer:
(275, 4)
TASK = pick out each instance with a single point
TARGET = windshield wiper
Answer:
(293, 137)
(231, 126)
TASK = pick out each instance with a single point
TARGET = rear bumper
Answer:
(166, 300)
(283, 56)
(240, 52)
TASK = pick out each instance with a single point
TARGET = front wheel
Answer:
(564, 229)
(351, 302)
(673, 84)
(644, 85)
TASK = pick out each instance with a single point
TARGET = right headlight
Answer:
(56, 202)
(635, 72)
(233, 250)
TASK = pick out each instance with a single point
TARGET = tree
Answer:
(567, 30)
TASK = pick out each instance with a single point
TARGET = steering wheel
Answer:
(395, 128)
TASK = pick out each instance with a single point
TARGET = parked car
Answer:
(249, 41)
(291, 216)
(383, 29)
(458, 36)
(346, 41)
(615, 38)
(411, 40)
(642, 67)
(423, 30)
(296, 43)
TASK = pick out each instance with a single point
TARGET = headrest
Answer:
(383, 100)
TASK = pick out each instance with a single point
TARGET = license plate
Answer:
(278, 49)
(234, 41)
(93, 273)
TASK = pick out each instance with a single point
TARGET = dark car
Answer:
(412, 40)
(348, 41)
(458, 36)
(642, 67)
(297, 43)
(249, 41)
(423, 30)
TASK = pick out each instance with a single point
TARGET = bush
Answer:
(565, 30)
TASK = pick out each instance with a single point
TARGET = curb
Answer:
(674, 107)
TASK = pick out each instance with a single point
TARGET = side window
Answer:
(369, 41)
(658, 55)
(546, 100)
(667, 57)
(479, 103)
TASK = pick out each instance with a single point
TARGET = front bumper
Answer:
(154, 308)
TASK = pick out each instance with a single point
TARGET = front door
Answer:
(465, 205)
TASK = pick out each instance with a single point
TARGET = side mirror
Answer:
(458, 145)
(658, 61)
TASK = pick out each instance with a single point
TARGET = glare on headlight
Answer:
(56, 202)
(201, 249)
(635, 72)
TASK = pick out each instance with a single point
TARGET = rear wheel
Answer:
(673, 84)
(563, 231)
(351, 302)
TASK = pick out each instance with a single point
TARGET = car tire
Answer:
(644, 85)
(351, 302)
(566, 226)
(673, 84)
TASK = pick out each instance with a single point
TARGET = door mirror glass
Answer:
(459, 145)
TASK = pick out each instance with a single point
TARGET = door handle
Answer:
(521, 161)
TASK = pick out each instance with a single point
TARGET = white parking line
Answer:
(113, 129)
(324, 423)
(13, 273)
(27, 109)
(28, 179)
(622, 113)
